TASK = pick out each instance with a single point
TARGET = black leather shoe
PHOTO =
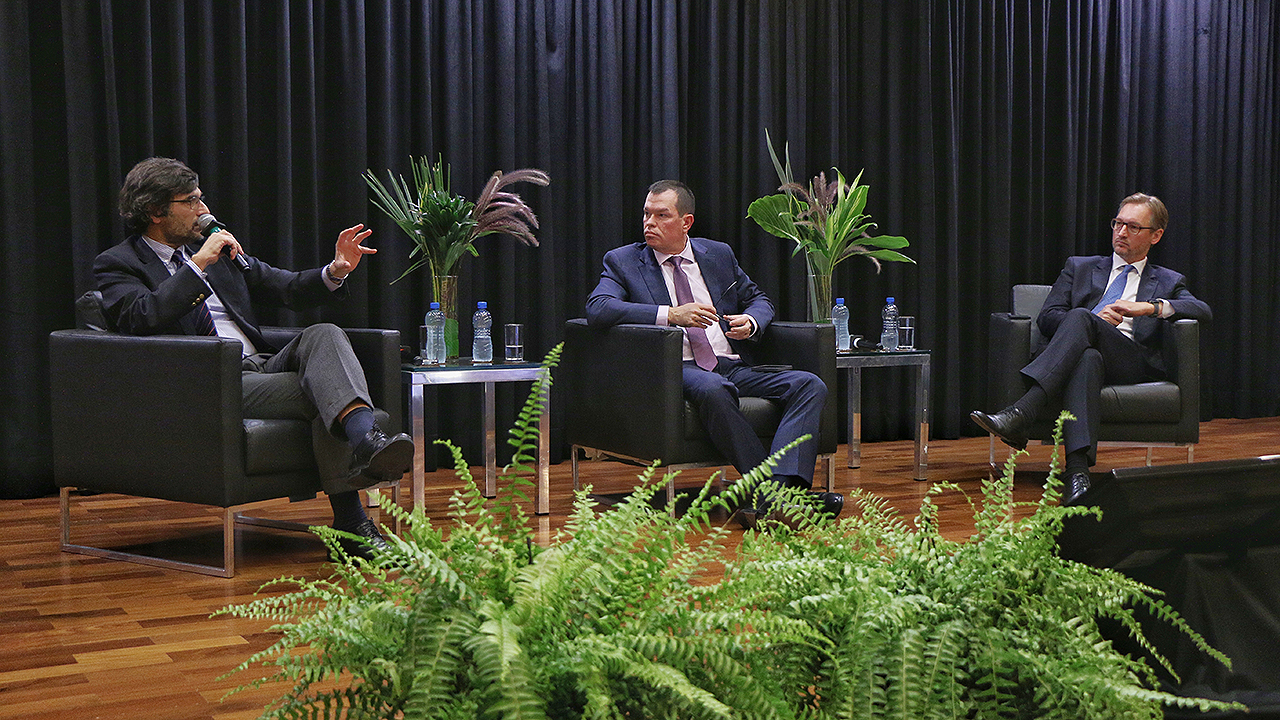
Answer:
(379, 457)
(1076, 485)
(828, 503)
(832, 503)
(749, 517)
(371, 541)
(1010, 425)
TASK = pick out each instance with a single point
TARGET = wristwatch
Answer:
(1158, 304)
(328, 272)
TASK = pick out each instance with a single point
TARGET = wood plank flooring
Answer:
(83, 637)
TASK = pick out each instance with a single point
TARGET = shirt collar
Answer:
(1118, 262)
(164, 252)
(686, 253)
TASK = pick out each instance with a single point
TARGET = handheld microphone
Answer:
(210, 225)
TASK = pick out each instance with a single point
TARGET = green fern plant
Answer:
(996, 626)
(870, 617)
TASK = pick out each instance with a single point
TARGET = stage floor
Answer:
(85, 637)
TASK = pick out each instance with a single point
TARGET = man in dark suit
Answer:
(1105, 319)
(695, 283)
(166, 278)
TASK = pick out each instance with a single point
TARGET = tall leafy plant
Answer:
(870, 617)
(826, 222)
(444, 226)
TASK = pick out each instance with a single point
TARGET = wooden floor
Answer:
(83, 637)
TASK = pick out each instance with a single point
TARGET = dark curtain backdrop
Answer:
(998, 136)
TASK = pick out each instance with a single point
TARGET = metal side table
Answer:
(854, 363)
(417, 376)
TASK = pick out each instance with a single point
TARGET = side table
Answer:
(854, 363)
(415, 377)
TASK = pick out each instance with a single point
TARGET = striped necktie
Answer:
(204, 320)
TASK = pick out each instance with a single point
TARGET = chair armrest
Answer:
(622, 387)
(110, 399)
(807, 346)
(1009, 351)
(379, 353)
(1186, 374)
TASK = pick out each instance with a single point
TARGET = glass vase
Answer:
(819, 295)
(444, 289)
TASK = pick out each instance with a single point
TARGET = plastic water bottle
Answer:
(481, 341)
(840, 318)
(889, 332)
(434, 352)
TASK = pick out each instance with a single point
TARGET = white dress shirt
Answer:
(715, 331)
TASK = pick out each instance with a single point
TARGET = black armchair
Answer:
(1150, 414)
(624, 399)
(118, 428)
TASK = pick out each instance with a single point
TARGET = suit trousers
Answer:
(1085, 353)
(802, 395)
(313, 378)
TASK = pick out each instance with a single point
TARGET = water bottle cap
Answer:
(435, 306)
(482, 305)
(889, 300)
(839, 301)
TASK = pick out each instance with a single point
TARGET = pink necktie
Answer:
(698, 342)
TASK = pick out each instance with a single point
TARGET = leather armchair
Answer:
(118, 427)
(624, 399)
(1149, 414)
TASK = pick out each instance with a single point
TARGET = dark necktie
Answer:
(204, 320)
(698, 342)
(1114, 290)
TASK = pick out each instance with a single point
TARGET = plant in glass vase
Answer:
(826, 222)
(445, 226)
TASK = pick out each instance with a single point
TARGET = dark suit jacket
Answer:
(1083, 281)
(631, 288)
(140, 297)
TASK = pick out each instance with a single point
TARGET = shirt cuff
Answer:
(330, 281)
(662, 316)
(1166, 308)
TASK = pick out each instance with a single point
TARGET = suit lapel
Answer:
(1146, 283)
(151, 263)
(1099, 280)
(713, 275)
(653, 279)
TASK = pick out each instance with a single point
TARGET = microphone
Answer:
(210, 225)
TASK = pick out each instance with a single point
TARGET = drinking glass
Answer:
(513, 334)
(906, 332)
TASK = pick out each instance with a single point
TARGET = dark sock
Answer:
(1032, 401)
(1078, 460)
(347, 510)
(357, 424)
(794, 481)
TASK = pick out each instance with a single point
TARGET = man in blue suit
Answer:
(695, 283)
(1105, 319)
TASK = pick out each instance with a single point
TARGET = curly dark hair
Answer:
(150, 186)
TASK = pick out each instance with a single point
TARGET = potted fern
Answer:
(826, 222)
(870, 617)
(445, 226)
